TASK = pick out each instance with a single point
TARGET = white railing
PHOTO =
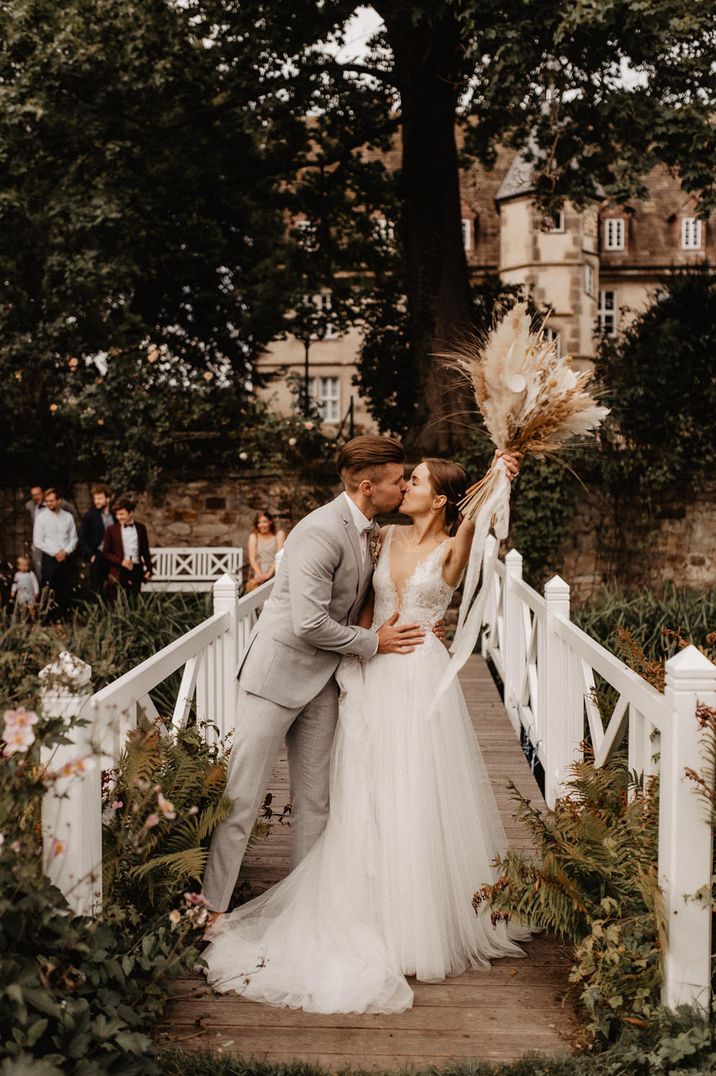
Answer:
(547, 665)
(193, 569)
(208, 655)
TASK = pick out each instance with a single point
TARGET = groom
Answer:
(286, 684)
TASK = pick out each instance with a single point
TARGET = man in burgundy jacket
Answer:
(126, 548)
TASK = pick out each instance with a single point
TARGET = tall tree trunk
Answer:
(428, 73)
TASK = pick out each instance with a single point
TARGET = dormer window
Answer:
(614, 233)
(690, 233)
(467, 234)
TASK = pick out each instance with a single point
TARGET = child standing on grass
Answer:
(25, 587)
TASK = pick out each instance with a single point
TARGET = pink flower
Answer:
(116, 804)
(166, 806)
(197, 899)
(152, 820)
(20, 718)
(15, 846)
(17, 740)
(174, 917)
(193, 810)
(77, 766)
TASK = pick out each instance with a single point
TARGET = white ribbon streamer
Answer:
(471, 614)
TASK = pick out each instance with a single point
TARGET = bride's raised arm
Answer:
(458, 552)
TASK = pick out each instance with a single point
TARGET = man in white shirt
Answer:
(54, 534)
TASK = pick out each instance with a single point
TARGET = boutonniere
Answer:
(374, 545)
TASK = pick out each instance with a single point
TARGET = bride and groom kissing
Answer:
(394, 822)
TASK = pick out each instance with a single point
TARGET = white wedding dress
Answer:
(413, 829)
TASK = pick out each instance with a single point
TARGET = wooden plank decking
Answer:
(494, 1015)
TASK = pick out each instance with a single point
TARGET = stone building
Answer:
(594, 268)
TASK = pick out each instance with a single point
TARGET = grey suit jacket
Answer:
(309, 620)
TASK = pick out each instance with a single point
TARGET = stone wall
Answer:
(678, 544)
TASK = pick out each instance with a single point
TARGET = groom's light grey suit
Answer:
(287, 689)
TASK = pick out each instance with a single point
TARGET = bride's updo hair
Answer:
(448, 480)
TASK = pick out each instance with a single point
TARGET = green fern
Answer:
(149, 864)
(593, 883)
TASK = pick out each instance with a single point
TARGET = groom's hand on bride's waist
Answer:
(402, 639)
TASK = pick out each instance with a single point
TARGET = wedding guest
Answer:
(95, 522)
(126, 549)
(32, 507)
(265, 542)
(25, 586)
(55, 535)
(35, 504)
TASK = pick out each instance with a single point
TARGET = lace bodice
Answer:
(425, 596)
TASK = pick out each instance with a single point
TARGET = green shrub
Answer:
(78, 993)
(593, 882)
(655, 622)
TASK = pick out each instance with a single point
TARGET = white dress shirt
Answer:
(363, 525)
(54, 532)
(130, 543)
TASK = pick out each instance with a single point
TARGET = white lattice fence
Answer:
(193, 569)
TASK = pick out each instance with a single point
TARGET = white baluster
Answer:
(72, 806)
(226, 596)
(513, 658)
(685, 849)
(489, 640)
(560, 720)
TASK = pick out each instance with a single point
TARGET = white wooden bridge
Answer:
(547, 666)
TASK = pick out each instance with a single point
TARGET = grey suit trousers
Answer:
(261, 728)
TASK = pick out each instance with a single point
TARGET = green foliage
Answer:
(654, 622)
(79, 995)
(661, 433)
(593, 882)
(111, 639)
(160, 812)
(386, 375)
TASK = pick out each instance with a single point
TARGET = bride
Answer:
(386, 892)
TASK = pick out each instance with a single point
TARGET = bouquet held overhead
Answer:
(531, 401)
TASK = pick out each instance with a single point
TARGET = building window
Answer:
(324, 305)
(690, 233)
(326, 392)
(554, 222)
(306, 234)
(467, 233)
(552, 334)
(614, 232)
(607, 313)
(386, 231)
(589, 278)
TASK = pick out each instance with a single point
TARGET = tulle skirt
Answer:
(387, 889)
